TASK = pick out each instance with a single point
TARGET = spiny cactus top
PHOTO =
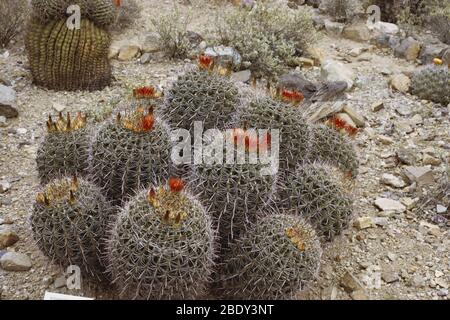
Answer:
(201, 95)
(276, 259)
(161, 246)
(69, 222)
(432, 83)
(100, 12)
(130, 152)
(65, 148)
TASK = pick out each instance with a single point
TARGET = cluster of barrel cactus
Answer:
(432, 83)
(66, 58)
(232, 229)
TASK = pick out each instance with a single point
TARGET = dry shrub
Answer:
(13, 16)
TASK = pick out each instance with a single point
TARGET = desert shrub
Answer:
(13, 15)
(127, 14)
(268, 37)
(342, 10)
(172, 31)
(440, 22)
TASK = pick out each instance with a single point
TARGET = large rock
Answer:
(408, 49)
(224, 55)
(7, 237)
(400, 82)
(336, 71)
(420, 175)
(13, 261)
(357, 32)
(389, 205)
(386, 28)
(128, 52)
(7, 102)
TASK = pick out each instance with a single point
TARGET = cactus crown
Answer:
(59, 191)
(66, 124)
(137, 120)
(170, 203)
(148, 92)
(299, 236)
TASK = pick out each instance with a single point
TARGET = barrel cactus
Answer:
(161, 246)
(65, 58)
(321, 195)
(276, 259)
(69, 224)
(100, 12)
(65, 148)
(234, 192)
(432, 83)
(201, 95)
(328, 145)
(266, 113)
(129, 153)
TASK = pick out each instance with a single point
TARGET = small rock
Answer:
(60, 282)
(355, 52)
(58, 107)
(381, 221)
(408, 49)
(359, 295)
(442, 293)
(386, 27)
(403, 110)
(21, 131)
(377, 106)
(406, 156)
(393, 181)
(13, 261)
(441, 282)
(420, 175)
(224, 55)
(429, 160)
(389, 277)
(128, 52)
(357, 32)
(4, 186)
(403, 127)
(390, 205)
(242, 76)
(440, 209)
(7, 237)
(438, 273)
(416, 120)
(3, 122)
(357, 118)
(409, 202)
(364, 223)
(400, 82)
(336, 71)
(385, 140)
(7, 102)
(145, 58)
(418, 281)
(350, 283)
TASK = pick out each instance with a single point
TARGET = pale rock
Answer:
(389, 205)
(355, 52)
(420, 175)
(7, 102)
(7, 237)
(363, 223)
(438, 273)
(4, 186)
(145, 58)
(416, 120)
(386, 27)
(430, 160)
(3, 122)
(400, 82)
(404, 110)
(377, 106)
(346, 118)
(408, 49)
(440, 209)
(357, 32)
(418, 281)
(409, 203)
(350, 283)
(381, 221)
(403, 127)
(225, 55)
(242, 76)
(359, 295)
(14, 261)
(58, 107)
(390, 276)
(441, 282)
(128, 52)
(21, 131)
(357, 118)
(385, 140)
(336, 71)
(393, 181)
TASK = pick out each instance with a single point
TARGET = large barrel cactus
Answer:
(65, 148)
(274, 260)
(162, 245)
(70, 59)
(130, 153)
(70, 221)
